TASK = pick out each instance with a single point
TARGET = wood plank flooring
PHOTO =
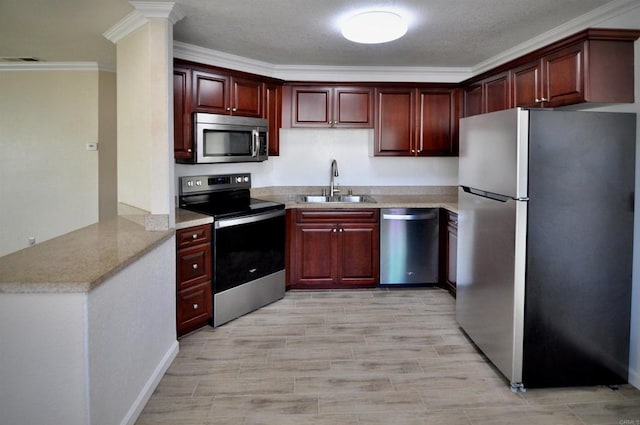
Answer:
(363, 357)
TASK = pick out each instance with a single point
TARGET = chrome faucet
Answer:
(334, 173)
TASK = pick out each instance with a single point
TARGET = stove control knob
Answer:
(239, 179)
(198, 182)
(246, 179)
(190, 183)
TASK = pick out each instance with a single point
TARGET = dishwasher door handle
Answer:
(407, 217)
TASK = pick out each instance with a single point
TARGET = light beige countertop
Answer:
(385, 196)
(186, 218)
(80, 260)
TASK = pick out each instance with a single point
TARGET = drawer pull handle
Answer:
(194, 236)
(195, 266)
(195, 306)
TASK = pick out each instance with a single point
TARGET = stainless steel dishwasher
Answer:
(409, 245)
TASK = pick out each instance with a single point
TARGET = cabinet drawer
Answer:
(193, 265)
(340, 215)
(194, 307)
(193, 236)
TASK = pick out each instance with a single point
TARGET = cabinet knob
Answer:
(341, 230)
(228, 109)
(189, 150)
(335, 230)
(234, 109)
(195, 306)
(194, 236)
(195, 266)
(544, 99)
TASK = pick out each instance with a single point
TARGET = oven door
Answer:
(247, 248)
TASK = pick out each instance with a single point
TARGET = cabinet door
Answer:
(473, 100)
(315, 255)
(182, 147)
(452, 251)
(246, 97)
(563, 81)
(311, 106)
(353, 107)
(394, 135)
(210, 92)
(358, 254)
(526, 87)
(273, 114)
(437, 123)
(194, 308)
(497, 92)
(193, 265)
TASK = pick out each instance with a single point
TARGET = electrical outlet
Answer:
(31, 240)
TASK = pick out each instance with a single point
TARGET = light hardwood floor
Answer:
(365, 357)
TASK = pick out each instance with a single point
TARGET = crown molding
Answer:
(136, 19)
(590, 19)
(55, 66)
(320, 73)
(206, 56)
(414, 74)
(159, 9)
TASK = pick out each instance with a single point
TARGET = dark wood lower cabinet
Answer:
(448, 250)
(194, 302)
(331, 249)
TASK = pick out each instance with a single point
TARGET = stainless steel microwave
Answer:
(225, 138)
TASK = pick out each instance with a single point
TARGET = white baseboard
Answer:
(142, 399)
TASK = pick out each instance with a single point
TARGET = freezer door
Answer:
(493, 152)
(491, 271)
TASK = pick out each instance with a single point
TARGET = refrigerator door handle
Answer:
(489, 195)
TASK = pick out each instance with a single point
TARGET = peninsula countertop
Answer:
(80, 260)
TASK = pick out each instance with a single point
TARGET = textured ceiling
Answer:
(451, 33)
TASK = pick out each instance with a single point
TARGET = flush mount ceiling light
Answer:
(374, 27)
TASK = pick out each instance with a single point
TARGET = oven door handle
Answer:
(228, 222)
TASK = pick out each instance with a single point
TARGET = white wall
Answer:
(48, 179)
(43, 359)
(107, 150)
(305, 160)
(131, 336)
(145, 130)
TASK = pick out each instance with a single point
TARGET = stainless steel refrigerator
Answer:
(545, 241)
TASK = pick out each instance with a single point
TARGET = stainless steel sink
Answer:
(302, 199)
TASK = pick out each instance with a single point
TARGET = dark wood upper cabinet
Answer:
(273, 114)
(497, 91)
(473, 100)
(488, 95)
(182, 112)
(416, 122)
(437, 122)
(223, 94)
(331, 106)
(395, 110)
(527, 84)
(247, 97)
(595, 65)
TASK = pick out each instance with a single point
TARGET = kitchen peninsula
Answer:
(85, 325)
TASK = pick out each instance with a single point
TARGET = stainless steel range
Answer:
(248, 242)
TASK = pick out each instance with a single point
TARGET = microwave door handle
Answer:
(256, 143)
